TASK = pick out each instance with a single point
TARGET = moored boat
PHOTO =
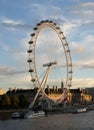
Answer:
(15, 115)
(80, 110)
(32, 114)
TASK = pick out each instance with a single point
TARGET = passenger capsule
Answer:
(46, 20)
(35, 28)
(50, 21)
(70, 78)
(33, 34)
(70, 72)
(29, 60)
(60, 32)
(30, 42)
(42, 21)
(29, 51)
(64, 38)
(57, 28)
(31, 70)
(54, 23)
(38, 24)
(33, 80)
(70, 65)
(66, 44)
(68, 51)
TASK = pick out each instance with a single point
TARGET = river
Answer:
(82, 121)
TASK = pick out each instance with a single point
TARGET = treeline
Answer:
(14, 101)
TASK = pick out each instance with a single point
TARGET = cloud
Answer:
(12, 22)
(89, 39)
(88, 65)
(3, 68)
(14, 77)
(16, 81)
(4, 46)
(16, 72)
(80, 16)
(77, 48)
(47, 11)
(68, 25)
(26, 79)
(82, 52)
(20, 57)
(84, 12)
(10, 71)
(1, 78)
(55, 14)
(14, 25)
(87, 4)
(85, 64)
(82, 82)
(24, 42)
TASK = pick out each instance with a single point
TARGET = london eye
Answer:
(49, 58)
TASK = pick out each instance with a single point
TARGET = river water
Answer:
(82, 121)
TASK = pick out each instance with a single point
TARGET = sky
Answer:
(17, 19)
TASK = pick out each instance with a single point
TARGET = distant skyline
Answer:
(17, 19)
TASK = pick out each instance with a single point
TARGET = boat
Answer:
(33, 114)
(16, 115)
(79, 110)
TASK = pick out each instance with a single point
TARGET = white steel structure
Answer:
(32, 58)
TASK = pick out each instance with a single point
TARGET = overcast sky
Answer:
(17, 19)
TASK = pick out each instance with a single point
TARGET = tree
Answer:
(14, 101)
(23, 101)
(5, 101)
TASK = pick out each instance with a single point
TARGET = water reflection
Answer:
(82, 121)
(5, 115)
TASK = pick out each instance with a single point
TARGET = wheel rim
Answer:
(32, 58)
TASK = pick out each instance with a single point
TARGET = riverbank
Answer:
(67, 109)
(13, 110)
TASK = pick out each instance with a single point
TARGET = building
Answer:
(1, 91)
(77, 96)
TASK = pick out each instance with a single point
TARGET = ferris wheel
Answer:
(44, 53)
